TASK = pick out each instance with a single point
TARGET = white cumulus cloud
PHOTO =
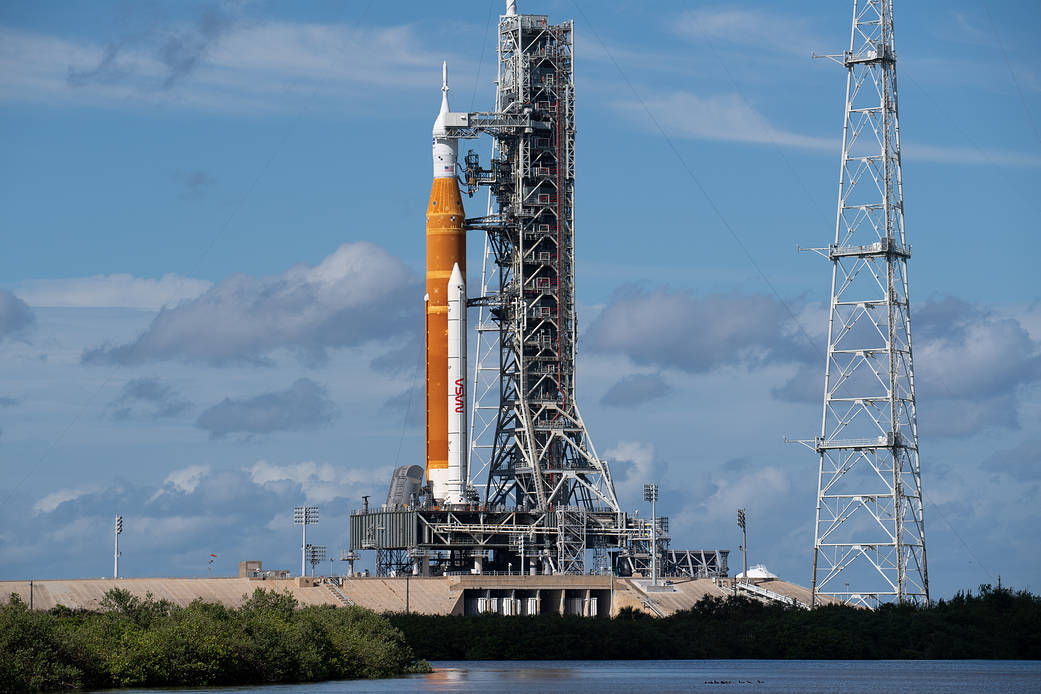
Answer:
(358, 294)
(320, 482)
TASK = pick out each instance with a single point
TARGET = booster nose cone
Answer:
(455, 281)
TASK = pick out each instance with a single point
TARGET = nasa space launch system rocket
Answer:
(445, 318)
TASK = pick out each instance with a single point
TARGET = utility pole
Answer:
(115, 556)
(744, 542)
(869, 529)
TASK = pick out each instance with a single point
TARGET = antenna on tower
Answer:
(869, 532)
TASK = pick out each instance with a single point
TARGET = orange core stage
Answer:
(446, 246)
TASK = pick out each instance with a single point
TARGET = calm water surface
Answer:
(731, 676)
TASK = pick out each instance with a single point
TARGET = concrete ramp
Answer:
(803, 595)
(434, 595)
(679, 594)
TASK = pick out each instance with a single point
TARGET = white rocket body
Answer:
(457, 472)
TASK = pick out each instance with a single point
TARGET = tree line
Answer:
(134, 642)
(994, 623)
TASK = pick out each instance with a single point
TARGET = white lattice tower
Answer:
(869, 539)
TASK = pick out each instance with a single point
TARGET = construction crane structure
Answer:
(869, 532)
(536, 495)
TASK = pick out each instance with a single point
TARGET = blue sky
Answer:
(261, 171)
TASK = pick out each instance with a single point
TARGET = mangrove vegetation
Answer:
(137, 642)
(994, 623)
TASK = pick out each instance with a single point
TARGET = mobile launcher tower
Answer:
(548, 498)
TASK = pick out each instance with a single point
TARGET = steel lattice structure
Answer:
(869, 534)
(528, 436)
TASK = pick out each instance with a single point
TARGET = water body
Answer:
(729, 676)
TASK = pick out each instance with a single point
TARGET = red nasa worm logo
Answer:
(460, 390)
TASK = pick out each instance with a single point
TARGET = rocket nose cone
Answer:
(457, 275)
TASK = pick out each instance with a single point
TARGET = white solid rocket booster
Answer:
(456, 387)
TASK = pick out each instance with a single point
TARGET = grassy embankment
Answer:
(148, 643)
(995, 623)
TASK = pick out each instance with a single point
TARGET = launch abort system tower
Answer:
(869, 540)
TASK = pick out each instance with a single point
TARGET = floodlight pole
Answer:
(304, 516)
(744, 541)
(118, 529)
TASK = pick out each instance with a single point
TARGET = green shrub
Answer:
(138, 642)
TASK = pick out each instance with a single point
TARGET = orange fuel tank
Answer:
(446, 246)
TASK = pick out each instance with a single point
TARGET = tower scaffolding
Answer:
(869, 532)
(538, 453)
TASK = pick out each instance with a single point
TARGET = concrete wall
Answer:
(433, 595)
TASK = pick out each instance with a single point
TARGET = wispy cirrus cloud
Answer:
(217, 61)
(731, 118)
(179, 48)
(113, 291)
(747, 27)
(726, 117)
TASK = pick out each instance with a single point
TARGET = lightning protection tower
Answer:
(869, 539)
(528, 434)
